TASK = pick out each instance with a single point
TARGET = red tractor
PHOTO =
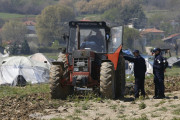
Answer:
(92, 60)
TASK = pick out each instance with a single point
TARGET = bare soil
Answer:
(40, 106)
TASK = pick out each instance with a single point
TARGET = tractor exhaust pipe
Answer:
(78, 37)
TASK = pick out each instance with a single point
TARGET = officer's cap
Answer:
(156, 49)
(136, 51)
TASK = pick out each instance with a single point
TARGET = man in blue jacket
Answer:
(139, 72)
(158, 71)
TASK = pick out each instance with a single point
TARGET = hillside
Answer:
(90, 9)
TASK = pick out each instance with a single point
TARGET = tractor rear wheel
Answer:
(58, 91)
(107, 85)
(120, 78)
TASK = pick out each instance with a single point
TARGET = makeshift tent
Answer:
(32, 71)
(149, 66)
(173, 61)
(129, 67)
(149, 63)
(40, 57)
(4, 55)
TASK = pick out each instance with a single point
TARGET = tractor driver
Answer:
(95, 42)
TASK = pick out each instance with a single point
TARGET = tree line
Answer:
(81, 6)
(24, 6)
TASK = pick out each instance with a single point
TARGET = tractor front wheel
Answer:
(107, 85)
(58, 91)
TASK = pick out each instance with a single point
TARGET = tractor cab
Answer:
(95, 36)
(88, 35)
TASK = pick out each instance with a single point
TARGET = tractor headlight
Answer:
(85, 69)
(76, 69)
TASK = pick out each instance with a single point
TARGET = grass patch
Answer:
(121, 116)
(170, 101)
(130, 78)
(122, 106)
(175, 118)
(143, 117)
(121, 111)
(141, 98)
(149, 77)
(95, 17)
(174, 71)
(133, 113)
(83, 97)
(168, 95)
(77, 110)
(113, 107)
(164, 109)
(174, 106)
(11, 16)
(142, 105)
(176, 111)
(100, 114)
(85, 106)
(160, 103)
(155, 115)
(73, 117)
(108, 118)
(57, 119)
(133, 102)
(52, 55)
(21, 91)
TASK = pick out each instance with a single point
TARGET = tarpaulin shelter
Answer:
(4, 55)
(149, 65)
(173, 61)
(32, 71)
(41, 58)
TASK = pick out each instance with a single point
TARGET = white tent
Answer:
(149, 66)
(129, 67)
(173, 61)
(149, 63)
(4, 55)
(40, 57)
(32, 71)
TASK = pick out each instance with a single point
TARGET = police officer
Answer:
(158, 71)
(139, 72)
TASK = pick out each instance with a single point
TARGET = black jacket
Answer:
(158, 65)
(139, 65)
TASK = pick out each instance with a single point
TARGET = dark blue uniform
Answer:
(158, 71)
(139, 73)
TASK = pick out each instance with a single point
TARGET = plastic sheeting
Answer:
(33, 71)
(4, 55)
(173, 61)
(40, 57)
(149, 66)
(129, 67)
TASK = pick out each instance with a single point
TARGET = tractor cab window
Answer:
(116, 39)
(93, 39)
(72, 44)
